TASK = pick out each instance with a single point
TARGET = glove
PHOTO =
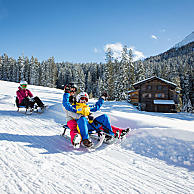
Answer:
(104, 95)
(72, 99)
(91, 117)
(67, 88)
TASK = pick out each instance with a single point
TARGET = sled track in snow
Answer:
(37, 160)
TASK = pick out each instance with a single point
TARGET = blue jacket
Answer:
(67, 104)
(72, 108)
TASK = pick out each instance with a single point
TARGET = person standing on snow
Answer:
(25, 97)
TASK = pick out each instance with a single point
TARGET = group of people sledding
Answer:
(79, 116)
(80, 119)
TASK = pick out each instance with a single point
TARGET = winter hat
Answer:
(81, 95)
(23, 84)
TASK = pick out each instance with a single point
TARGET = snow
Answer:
(186, 40)
(164, 102)
(158, 157)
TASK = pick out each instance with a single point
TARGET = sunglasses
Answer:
(84, 99)
(24, 86)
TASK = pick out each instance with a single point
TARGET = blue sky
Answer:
(80, 30)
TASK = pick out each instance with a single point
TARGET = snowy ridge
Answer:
(157, 158)
(186, 40)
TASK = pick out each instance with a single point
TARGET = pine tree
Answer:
(15, 70)
(131, 70)
(1, 68)
(10, 69)
(43, 73)
(22, 68)
(125, 75)
(27, 69)
(34, 71)
(53, 72)
(89, 83)
(139, 71)
(108, 74)
(5, 67)
(79, 77)
(185, 82)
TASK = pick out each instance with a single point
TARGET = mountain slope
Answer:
(188, 39)
(157, 158)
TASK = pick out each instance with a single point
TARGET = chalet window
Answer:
(159, 87)
(149, 87)
(159, 95)
(134, 96)
(147, 95)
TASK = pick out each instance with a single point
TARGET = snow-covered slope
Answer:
(157, 158)
(186, 40)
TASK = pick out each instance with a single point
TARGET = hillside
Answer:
(156, 158)
(188, 39)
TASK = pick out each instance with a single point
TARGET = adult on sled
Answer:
(25, 97)
(79, 115)
(82, 110)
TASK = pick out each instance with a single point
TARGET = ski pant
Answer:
(85, 127)
(30, 102)
(72, 124)
(114, 129)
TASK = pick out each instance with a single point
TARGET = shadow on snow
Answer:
(171, 150)
(51, 144)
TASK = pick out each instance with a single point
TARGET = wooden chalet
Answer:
(155, 95)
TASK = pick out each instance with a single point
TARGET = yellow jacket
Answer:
(83, 109)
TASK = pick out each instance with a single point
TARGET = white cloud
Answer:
(137, 55)
(117, 50)
(154, 37)
(95, 50)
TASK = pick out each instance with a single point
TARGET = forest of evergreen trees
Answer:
(116, 76)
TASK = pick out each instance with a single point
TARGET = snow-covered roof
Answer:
(164, 102)
(153, 77)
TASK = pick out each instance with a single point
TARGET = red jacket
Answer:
(21, 94)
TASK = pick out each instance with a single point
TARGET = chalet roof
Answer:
(152, 78)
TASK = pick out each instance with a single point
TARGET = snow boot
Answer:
(43, 107)
(124, 133)
(77, 141)
(109, 139)
(87, 143)
(116, 136)
(29, 110)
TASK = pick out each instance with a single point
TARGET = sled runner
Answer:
(96, 144)
(98, 138)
